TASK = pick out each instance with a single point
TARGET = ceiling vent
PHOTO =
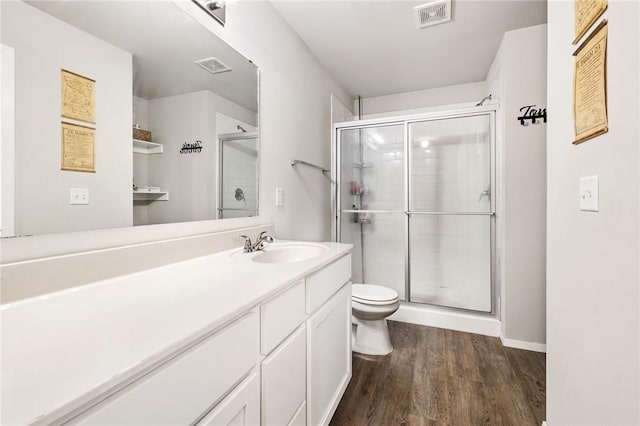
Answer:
(436, 12)
(213, 65)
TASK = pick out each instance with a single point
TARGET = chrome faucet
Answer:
(260, 243)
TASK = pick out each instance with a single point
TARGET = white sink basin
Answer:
(289, 253)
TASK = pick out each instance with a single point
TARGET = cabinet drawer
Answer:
(240, 408)
(326, 282)
(183, 389)
(280, 316)
(284, 380)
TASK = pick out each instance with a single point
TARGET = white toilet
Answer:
(370, 306)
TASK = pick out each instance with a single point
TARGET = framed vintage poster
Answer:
(585, 14)
(590, 86)
(78, 148)
(78, 97)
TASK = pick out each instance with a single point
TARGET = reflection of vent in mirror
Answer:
(436, 12)
(213, 65)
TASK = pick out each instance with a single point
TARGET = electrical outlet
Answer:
(78, 196)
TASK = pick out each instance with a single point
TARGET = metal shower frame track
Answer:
(405, 121)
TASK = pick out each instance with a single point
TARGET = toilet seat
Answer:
(369, 294)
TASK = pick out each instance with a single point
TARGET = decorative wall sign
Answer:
(188, 148)
(590, 86)
(77, 148)
(586, 13)
(78, 97)
(530, 112)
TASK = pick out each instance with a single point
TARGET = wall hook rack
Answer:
(188, 148)
(529, 112)
(304, 163)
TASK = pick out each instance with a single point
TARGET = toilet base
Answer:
(370, 337)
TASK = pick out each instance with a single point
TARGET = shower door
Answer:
(370, 210)
(238, 175)
(415, 198)
(450, 211)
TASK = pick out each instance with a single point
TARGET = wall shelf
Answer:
(144, 147)
(150, 196)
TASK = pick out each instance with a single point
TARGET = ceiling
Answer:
(374, 48)
(164, 47)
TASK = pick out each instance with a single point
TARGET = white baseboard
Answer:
(452, 320)
(521, 344)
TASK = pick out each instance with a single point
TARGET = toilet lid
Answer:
(376, 294)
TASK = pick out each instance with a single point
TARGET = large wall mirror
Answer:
(122, 113)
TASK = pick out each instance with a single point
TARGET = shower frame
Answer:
(406, 120)
(220, 140)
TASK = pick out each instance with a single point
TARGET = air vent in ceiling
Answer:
(436, 12)
(213, 65)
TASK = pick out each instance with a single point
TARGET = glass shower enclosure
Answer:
(237, 175)
(414, 195)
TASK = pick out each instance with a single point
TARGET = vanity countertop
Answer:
(60, 349)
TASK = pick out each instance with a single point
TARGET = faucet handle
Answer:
(247, 241)
(263, 236)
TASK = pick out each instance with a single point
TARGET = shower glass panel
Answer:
(450, 212)
(238, 175)
(382, 260)
(371, 197)
(451, 165)
(451, 260)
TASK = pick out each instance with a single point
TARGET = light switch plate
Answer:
(589, 193)
(78, 196)
(279, 197)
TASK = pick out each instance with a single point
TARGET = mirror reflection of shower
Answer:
(238, 174)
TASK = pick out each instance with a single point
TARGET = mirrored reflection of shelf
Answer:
(144, 147)
(150, 196)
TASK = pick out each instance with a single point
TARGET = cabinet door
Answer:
(240, 408)
(328, 356)
(283, 380)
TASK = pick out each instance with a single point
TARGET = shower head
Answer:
(484, 99)
(239, 127)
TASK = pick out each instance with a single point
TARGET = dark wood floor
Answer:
(444, 377)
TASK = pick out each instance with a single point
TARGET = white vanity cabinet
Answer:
(185, 388)
(286, 362)
(304, 378)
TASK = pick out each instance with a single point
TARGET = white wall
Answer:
(516, 80)
(593, 266)
(43, 47)
(226, 124)
(7, 150)
(420, 101)
(173, 121)
(190, 179)
(141, 161)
